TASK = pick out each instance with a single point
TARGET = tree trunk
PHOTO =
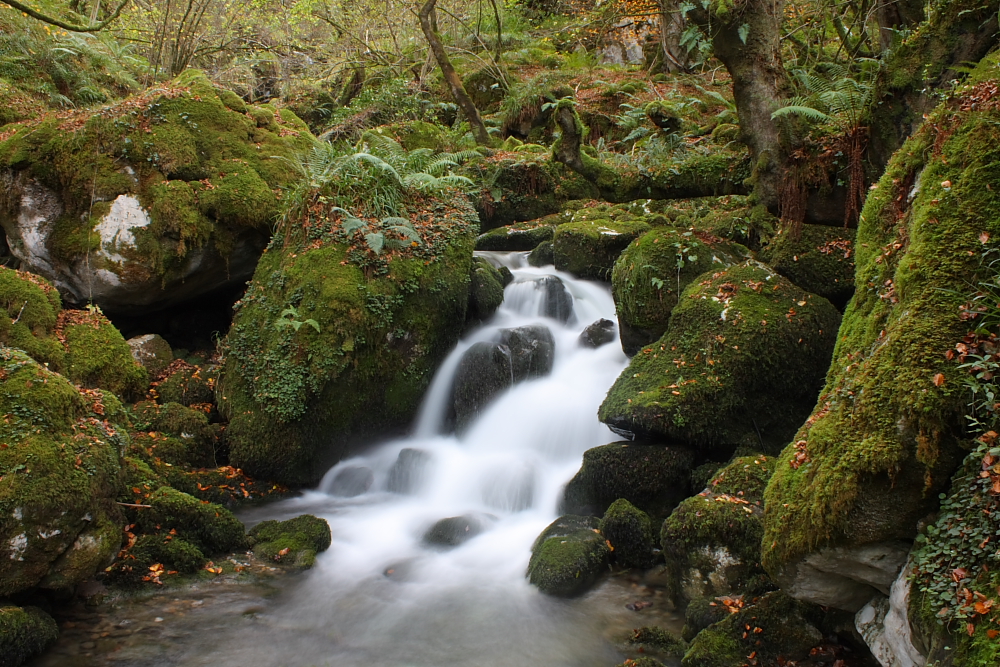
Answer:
(748, 42)
(957, 33)
(893, 15)
(675, 56)
(428, 23)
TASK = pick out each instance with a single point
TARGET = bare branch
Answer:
(71, 27)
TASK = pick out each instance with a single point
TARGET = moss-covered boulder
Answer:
(543, 255)
(711, 542)
(175, 434)
(568, 556)
(775, 629)
(295, 541)
(701, 613)
(334, 344)
(24, 633)
(651, 273)
(654, 478)
(485, 290)
(186, 384)
(740, 364)
(630, 533)
(211, 528)
(97, 356)
(817, 258)
(524, 184)
(152, 352)
(591, 242)
(59, 476)
(648, 643)
(519, 236)
(154, 200)
(29, 310)
(887, 430)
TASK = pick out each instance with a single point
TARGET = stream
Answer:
(382, 596)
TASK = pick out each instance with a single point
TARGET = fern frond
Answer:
(808, 112)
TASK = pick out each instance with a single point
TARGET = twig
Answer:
(132, 505)
(20, 312)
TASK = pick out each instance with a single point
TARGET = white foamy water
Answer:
(380, 596)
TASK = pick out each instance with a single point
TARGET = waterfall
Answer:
(381, 595)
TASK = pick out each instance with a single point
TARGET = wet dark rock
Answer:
(351, 481)
(597, 334)
(406, 473)
(488, 368)
(558, 303)
(455, 530)
(654, 478)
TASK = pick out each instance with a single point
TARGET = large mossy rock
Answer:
(740, 364)
(886, 433)
(485, 290)
(519, 236)
(81, 344)
(24, 632)
(568, 557)
(652, 272)
(776, 629)
(711, 541)
(29, 311)
(295, 541)
(654, 478)
(59, 476)
(300, 397)
(157, 199)
(589, 244)
(817, 258)
(209, 527)
(630, 533)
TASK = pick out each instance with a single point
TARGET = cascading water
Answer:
(381, 595)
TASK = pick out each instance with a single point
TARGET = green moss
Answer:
(522, 236)
(745, 477)
(29, 306)
(98, 356)
(543, 255)
(589, 245)
(711, 544)
(654, 269)
(295, 541)
(210, 527)
(651, 477)
(59, 475)
(885, 435)
(485, 290)
(568, 556)
(778, 632)
(700, 613)
(630, 533)
(820, 260)
(172, 553)
(24, 633)
(414, 134)
(188, 385)
(297, 401)
(203, 171)
(658, 640)
(738, 364)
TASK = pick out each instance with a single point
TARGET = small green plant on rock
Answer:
(289, 318)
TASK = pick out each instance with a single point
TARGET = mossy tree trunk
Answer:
(747, 39)
(957, 33)
(428, 23)
(894, 15)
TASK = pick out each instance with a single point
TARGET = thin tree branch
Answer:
(71, 27)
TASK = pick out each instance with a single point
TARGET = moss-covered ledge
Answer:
(885, 435)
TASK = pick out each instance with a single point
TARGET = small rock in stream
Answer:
(597, 334)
